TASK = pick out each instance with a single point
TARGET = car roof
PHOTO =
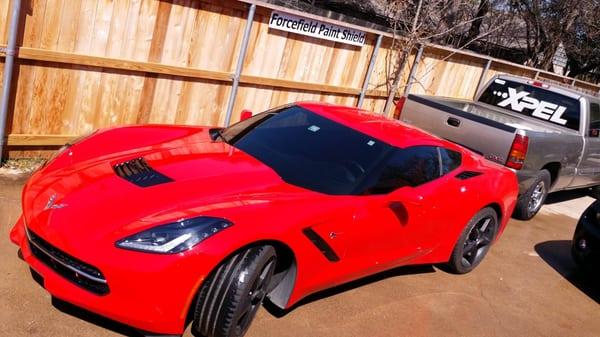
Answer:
(378, 126)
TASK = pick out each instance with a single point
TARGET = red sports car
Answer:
(150, 225)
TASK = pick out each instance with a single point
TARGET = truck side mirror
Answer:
(245, 114)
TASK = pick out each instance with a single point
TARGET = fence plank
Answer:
(5, 8)
(93, 63)
(39, 140)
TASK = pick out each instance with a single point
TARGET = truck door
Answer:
(588, 172)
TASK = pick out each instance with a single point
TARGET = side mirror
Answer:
(594, 132)
(245, 115)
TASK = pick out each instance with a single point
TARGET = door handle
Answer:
(455, 122)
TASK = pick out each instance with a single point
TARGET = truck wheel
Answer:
(231, 296)
(530, 202)
(474, 242)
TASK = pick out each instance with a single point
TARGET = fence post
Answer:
(488, 64)
(363, 91)
(8, 72)
(240, 64)
(413, 70)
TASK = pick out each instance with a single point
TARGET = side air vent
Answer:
(321, 244)
(467, 175)
(138, 172)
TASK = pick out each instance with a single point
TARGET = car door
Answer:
(403, 208)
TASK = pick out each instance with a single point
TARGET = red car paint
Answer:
(154, 292)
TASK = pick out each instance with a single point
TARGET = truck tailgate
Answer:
(482, 130)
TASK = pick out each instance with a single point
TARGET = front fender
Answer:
(109, 142)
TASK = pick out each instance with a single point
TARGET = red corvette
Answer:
(150, 225)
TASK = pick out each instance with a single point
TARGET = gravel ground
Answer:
(527, 286)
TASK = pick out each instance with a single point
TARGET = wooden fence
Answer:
(88, 64)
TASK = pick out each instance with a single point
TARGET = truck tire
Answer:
(229, 299)
(530, 202)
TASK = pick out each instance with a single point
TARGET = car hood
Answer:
(89, 200)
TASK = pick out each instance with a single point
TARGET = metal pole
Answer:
(482, 77)
(573, 83)
(537, 75)
(240, 64)
(8, 71)
(413, 70)
(363, 91)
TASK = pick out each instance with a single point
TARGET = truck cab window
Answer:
(532, 101)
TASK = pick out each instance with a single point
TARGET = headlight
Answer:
(175, 237)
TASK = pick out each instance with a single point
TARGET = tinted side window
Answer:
(450, 160)
(594, 116)
(411, 166)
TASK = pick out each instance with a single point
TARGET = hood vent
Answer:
(138, 172)
(467, 175)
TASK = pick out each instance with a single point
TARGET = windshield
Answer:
(308, 150)
(533, 101)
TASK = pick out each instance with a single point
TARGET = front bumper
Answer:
(147, 291)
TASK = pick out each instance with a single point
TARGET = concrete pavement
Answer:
(527, 286)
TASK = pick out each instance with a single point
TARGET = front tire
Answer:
(530, 202)
(229, 299)
(474, 242)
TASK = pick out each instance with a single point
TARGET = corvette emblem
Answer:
(51, 205)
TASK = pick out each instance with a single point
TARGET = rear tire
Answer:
(229, 299)
(474, 242)
(530, 202)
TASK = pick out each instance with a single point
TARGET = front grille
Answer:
(82, 274)
(138, 172)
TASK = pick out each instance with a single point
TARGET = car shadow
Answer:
(557, 254)
(90, 317)
(561, 196)
(400, 271)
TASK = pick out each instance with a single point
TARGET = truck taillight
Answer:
(399, 106)
(518, 151)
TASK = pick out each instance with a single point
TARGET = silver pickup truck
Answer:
(547, 134)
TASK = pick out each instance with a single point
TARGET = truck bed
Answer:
(490, 132)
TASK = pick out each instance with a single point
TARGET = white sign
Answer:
(560, 56)
(559, 60)
(294, 24)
